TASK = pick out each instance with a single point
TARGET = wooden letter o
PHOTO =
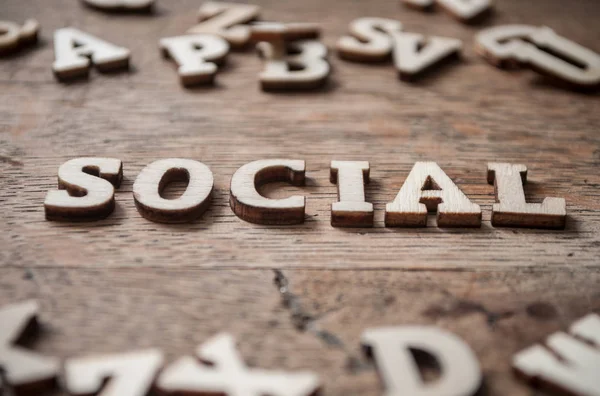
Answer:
(155, 177)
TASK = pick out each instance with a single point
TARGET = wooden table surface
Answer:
(298, 297)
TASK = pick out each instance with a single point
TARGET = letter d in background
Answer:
(391, 348)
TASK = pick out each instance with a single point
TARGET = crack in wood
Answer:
(305, 321)
(461, 307)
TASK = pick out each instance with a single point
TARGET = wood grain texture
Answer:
(313, 318)
(463, 118)
(181, 284)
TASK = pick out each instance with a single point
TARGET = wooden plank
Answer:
(463, 117)
(126, 283)
(315, 324)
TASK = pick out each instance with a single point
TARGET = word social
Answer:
(86, 191)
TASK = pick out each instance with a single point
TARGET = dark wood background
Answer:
(125, 283)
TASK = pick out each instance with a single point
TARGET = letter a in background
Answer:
(427, 187)
(511, 208)
(24, 371)
(391, 348)
(74, 50)
(569, 364)
(249, 205)
(86, 189)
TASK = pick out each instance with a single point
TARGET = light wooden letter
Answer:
(14, 36)
(86, 189)
(155, 177)
(414, 54)
(534, 47)
(277, 32)
(250, 206)
(391, 348)
(370, 40)
(465, 10)
(568, 364)
(74, 50)
(426, 188)
(547, 41)
(306, 68)
(24, 371)
(351, 210)
(197, 56)
(127, 5)
(291, 30)
(228, 375)
(225, 19)
(419, 4)
(501, 45)
(130, 374)
(511, 208)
